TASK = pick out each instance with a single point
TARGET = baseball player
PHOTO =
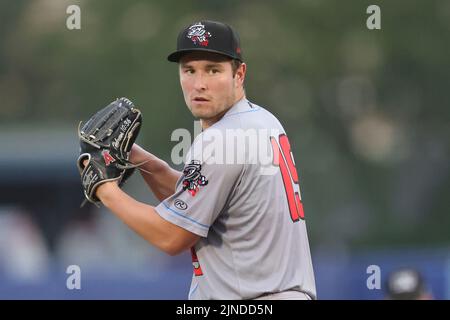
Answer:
(243, 224)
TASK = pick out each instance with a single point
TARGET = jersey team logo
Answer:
(198, 34)
(193, 178)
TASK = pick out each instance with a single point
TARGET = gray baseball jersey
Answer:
(240, 192)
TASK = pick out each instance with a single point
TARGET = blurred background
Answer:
(367, 113)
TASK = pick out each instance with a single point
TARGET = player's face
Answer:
(209, 86)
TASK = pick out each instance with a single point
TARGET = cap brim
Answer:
(176, 56)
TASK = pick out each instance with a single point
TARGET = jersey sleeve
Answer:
(201, 193)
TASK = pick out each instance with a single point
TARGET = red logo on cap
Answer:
(198, 34)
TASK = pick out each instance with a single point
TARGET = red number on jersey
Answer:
(282, 157)
(197, 268)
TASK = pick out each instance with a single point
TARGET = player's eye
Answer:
(214, 71)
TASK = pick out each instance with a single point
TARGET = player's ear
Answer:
(240, 73)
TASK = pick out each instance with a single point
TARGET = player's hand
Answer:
(104, 188)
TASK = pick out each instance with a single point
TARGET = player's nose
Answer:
(200, 82)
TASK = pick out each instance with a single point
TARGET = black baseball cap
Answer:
(209, 36)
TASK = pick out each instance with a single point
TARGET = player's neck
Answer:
(206, 123)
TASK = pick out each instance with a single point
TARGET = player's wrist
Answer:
(137, 154)
(106, 190)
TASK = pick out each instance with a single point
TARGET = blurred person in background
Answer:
(24, 257)
(407, 284)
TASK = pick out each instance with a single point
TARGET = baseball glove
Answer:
(105, 141)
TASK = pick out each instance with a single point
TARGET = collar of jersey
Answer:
(241, 106)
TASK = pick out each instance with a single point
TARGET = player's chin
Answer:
(200, 110)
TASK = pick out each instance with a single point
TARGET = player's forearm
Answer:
(140, 217)
(162, 179)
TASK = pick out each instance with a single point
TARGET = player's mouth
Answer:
(200, 100)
